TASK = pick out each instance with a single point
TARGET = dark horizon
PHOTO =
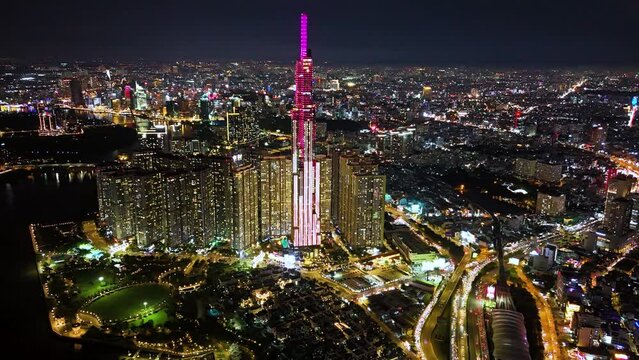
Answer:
(468, 33)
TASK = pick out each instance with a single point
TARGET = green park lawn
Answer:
(89, 284)
(158, 318)
(128, 302)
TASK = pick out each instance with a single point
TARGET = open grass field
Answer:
(158, 319)
(129, 302)
(89, 284)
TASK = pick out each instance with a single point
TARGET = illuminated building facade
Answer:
(115, 200)
(205, 107)
(427, 92)
(184, 202)
(220, 191)
(618, 209)
(275, 198)
(550, 205)
(241, 125)
(149, 221)
(326, 177)
(525, 168)
(617, 216)
(140, 98)
(306, 171)
(336, 155)
(172, 207)
(341, 181)
(362, 191)
(245, 207)
(547, 172)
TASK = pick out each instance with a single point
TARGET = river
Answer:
(43, 196)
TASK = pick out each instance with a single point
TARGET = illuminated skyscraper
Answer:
(617, 216)
(115, 199)
(361, 201)
(148, 206)
(325, 192)
(275, 198)
(185, 207)
(205, 107)
(245, 208)
(241, 125)
(618, 209)
(306, 179)
(140, 98)
(168, 206)
(219, 187)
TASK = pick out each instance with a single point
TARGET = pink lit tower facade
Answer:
(306, 180)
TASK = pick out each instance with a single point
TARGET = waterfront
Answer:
(39, 196)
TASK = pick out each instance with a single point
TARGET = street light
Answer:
(145, 304)
(101, 279)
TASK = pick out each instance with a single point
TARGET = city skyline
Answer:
(530, 33)
(259, 209)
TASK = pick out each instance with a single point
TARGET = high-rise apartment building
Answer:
(172, 207)
(219, 189)
(325, 173)
(275, 197)
(548, 172)
(148, 204)
(361, 201)
(525, 168)
(617, 216)
(115, 200)
(184, 203)
(245, 207)
(551, 204)
(241, 125)
(618, 210)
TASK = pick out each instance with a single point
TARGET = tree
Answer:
(235, 353)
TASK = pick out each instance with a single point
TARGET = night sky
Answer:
(425, 32)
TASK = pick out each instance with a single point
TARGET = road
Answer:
(460, 340)
(552, 349)
(478, 342)
(573, 88)
(429, 317)
(459, 315)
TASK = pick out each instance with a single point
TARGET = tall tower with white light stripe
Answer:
(306, 179)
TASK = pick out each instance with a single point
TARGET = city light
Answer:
(370, 205)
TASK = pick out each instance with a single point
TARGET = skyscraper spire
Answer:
(305, 168)
(303, 35)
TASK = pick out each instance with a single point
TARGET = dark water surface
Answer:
(38, 196)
